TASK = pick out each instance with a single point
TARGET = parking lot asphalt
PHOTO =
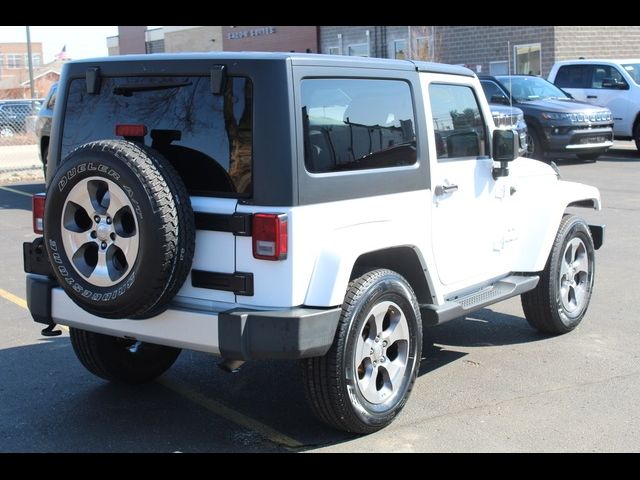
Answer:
(487, 382)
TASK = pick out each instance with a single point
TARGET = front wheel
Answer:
(534, 144)
(120, 359)
(6, 131)
(365, 378)
(560, 301)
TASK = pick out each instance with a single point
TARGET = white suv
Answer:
(614, 84)
(291, 206)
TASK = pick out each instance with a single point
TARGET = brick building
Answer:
(14, 65)
(485, 49)
(132, 39)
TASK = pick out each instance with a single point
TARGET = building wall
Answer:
(270, 38)
(597, 42)
(131, 39)
(380, 39)
(192, 39)
(479, 45)
(18, 75)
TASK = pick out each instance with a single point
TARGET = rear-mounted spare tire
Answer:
(119, 229)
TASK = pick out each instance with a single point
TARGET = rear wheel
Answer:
(120, 359)
(365, 378)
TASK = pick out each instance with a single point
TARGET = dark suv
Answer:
(557, 124)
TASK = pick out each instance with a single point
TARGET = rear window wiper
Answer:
(128, 89)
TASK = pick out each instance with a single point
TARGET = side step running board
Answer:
(459, 307)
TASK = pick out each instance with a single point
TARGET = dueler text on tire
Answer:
(560, 301)
(120, 359)
(365, 378)
(119, 229)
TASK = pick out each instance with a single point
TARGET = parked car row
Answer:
(13, 116)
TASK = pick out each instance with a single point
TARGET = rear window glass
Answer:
(207, 137)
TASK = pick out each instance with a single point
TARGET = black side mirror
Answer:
(500, 99)
(506, 145)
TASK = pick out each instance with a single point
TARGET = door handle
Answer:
(592, 96)
(442, 189)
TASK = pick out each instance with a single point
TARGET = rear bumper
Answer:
(234, 334)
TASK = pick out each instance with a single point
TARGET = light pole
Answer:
(30, 59)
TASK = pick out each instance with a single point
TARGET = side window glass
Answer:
(354, 124)
(605, 75)
(459, 128)
(491, 90)
(574, 76)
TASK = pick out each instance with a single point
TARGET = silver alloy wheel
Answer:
(382, 352)
(574, 275)
(100, 231)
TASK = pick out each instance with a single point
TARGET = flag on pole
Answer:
(62, 55)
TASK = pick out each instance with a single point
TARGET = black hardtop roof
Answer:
(309, 59)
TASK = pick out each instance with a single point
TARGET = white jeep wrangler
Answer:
(297, 207)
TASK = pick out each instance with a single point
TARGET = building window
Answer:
(527, 59)
(36, 60)
(359, 50)
(334, 51)
(15, 60)
(499, 68)
(400, 49)
(422, 49)
(357, 124)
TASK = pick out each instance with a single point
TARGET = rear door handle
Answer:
(592, 96)
(442, 189)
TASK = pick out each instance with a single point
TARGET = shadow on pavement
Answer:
(51, 404)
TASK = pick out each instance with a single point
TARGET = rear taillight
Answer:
(37, 207)
(269, 231)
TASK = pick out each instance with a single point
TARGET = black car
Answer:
(43, 124)
(557, 124)
(13, 116)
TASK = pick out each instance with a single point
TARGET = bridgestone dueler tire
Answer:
(121, 360)
(542, 306)
(330, 383)
(165, 228)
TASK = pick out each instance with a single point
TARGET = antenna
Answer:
(509, 71)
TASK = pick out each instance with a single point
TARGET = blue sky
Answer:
(81, 42)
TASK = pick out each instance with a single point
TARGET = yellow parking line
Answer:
(213, 406)
(21, 302)
(14, 190)
(230, 414)
(13, 298)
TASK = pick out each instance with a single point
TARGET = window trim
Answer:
(405, 50)
(515, 56)
(487, 134)
(359, 45)
(506, 62)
